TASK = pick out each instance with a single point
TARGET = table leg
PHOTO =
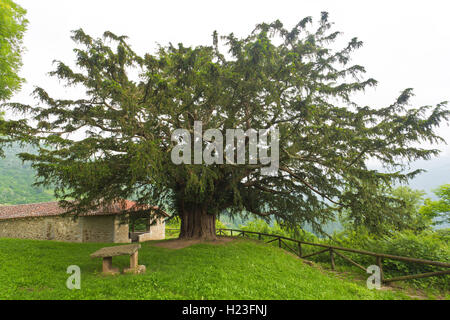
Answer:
(134, 266)
(134, 260)
(107, 266)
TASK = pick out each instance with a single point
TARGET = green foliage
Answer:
(292, 79)
(438, 210)
(173, 223)
(220, 224)
(426, 245)
(17, 178)
(408, 214)
(443, 235)
(12, 27)
(237, 270)
(263, 227)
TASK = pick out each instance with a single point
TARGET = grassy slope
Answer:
(31, 269)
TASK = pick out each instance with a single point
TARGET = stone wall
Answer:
(84, 229)
(42, 228)
(157, 231)
(98, 228)
(121, 231)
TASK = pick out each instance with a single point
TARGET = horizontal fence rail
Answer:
(334, 250)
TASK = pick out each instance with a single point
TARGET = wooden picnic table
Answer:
(108, 252)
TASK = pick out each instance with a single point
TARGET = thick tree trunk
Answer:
(196, 223)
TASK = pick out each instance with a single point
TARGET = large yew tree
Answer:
(115, 142)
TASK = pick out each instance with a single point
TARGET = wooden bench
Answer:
(109, 252)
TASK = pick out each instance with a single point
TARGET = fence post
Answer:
(279, 242)
(333, 266)
(259, 236)
(231, 232)
(299, 249)
(380, 265)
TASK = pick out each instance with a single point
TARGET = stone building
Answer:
(48, 221)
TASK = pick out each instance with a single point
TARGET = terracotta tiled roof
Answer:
(46, 209)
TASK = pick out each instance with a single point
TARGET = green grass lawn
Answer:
(240, 269)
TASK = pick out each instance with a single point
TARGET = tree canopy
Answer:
(12, 27)
(290, 79)
(439, 210)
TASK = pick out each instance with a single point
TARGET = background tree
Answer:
(408, 215)
(411, 217)
(292, 79)
(438, 210)
(12, 27)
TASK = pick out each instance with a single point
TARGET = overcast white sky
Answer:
(406, 43)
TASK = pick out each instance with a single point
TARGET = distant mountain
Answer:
(16, 179)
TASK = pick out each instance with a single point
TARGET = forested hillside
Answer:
(16, 179)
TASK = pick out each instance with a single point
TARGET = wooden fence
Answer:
(337, 251)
